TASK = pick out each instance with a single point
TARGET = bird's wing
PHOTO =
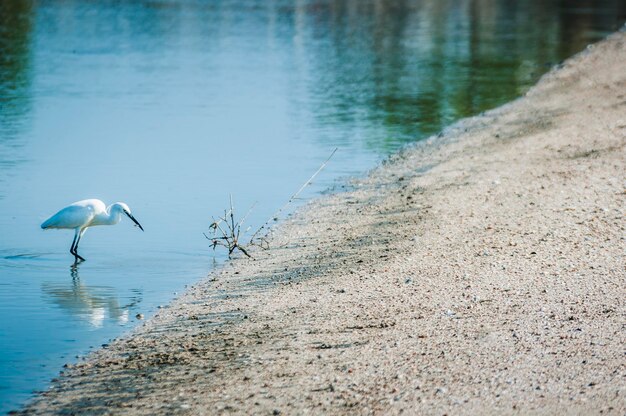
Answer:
(95, 204)
(73, 216)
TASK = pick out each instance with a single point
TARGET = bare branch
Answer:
(230, 229)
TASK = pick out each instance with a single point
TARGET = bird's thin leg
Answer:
(80, 234)
(73, 248)
(73, 244)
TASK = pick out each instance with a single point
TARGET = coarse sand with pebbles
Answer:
(479, 272)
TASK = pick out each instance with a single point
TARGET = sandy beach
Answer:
(479, 272)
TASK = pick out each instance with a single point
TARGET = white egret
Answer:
(84, 214)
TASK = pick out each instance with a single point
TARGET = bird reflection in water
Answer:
(93, 304)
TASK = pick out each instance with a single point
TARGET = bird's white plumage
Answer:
(77, 215)
(87, 213)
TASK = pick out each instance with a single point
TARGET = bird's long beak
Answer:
(134, 220)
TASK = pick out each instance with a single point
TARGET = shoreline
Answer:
(492, 282)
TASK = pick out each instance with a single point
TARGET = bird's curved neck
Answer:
(110, 217)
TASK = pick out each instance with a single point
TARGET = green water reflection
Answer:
(412, 68)
(15, 61)
(381, 72)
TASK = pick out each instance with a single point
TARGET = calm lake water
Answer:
(172, 105)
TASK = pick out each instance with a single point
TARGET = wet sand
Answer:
(479, 272)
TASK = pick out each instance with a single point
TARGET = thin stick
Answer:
(222, 231)
(216, 222)
(294, 196)
(240, 223)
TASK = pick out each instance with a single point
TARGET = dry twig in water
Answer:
(227, 233)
